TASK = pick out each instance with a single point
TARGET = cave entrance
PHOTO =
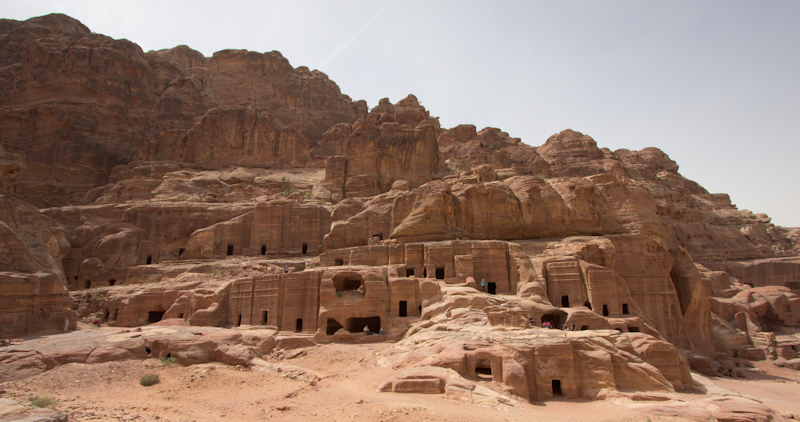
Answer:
(402, 308)
(348, 282)
(483, 370)
(555, 318)
(356, 325)
(112, 282)
(154, 316)
(556, 384)
(332, 327)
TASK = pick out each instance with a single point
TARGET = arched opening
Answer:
(305, 248)
(230, 249)
(565, 301)
(605, 310)
(557, 388)
(332, 327)
(348, 282)
(357, 325)
(556, 318)
(154, 316)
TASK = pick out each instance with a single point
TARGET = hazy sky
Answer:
(714, 84)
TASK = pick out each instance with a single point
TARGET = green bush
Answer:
(43, 401)
(148, 380)
(169, 361)
(288, 192)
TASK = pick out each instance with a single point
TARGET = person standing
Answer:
(483, 285)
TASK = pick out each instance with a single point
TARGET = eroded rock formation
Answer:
(236, 190)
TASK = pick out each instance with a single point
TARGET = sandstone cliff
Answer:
(237, 190)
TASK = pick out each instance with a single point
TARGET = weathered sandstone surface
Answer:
(237, 191)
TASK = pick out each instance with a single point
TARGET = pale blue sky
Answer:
(714, 84)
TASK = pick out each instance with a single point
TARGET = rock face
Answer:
(33, 294)
(236, 190)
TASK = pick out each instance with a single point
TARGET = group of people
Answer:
(548, 324)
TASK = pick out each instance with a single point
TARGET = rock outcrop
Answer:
(238, 191)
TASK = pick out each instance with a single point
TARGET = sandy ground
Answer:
(332, 382)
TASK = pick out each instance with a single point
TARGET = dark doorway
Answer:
(403, 309)
(344, 283)
(584, 327)
(420, 309)
(556, 318)
(263, 249)
(409, 272)
(625, 309)
(338, 262)
(483, 370)
(440, 273)
(556, 387)
(633, 329)
(230, 249)
(298, 326)
(305, 248)
(356, 325)
(265, 318)
(588, 305)
(154, 316)
(112, 282)
(333, 327)
(491, 288)
(239, 320)
(565, 301)
(149, 259)
(425, 272)
(605, 310)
